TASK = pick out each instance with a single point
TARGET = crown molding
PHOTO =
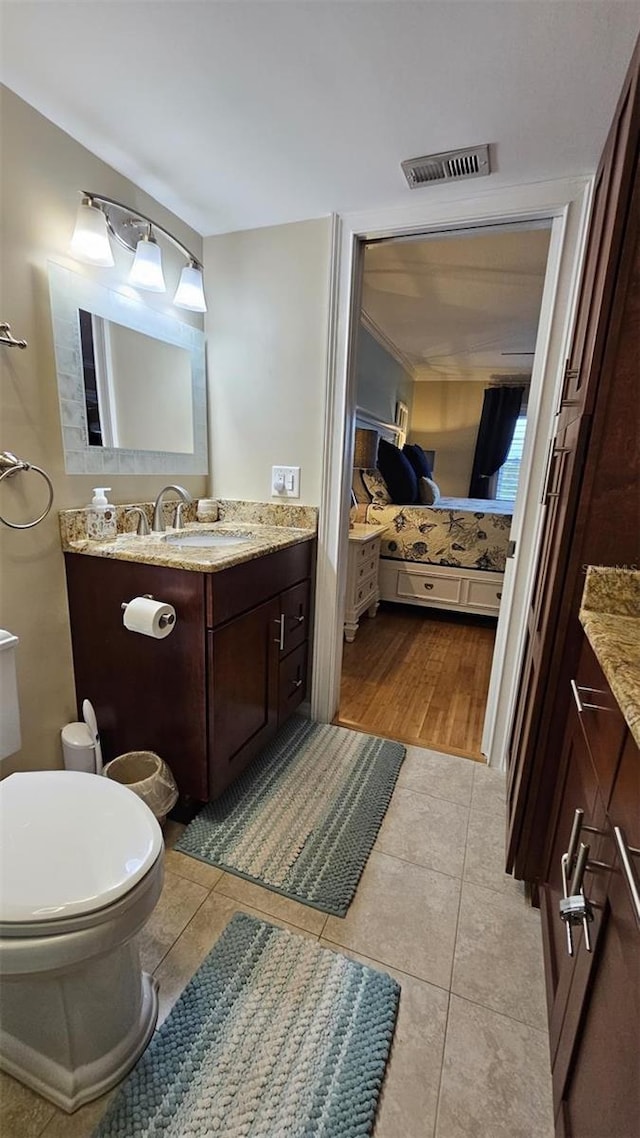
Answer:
(423, 373)
(383, 340)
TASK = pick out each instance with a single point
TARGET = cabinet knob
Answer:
(499, 596)
(428, 585)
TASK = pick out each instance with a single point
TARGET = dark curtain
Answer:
(500, 411)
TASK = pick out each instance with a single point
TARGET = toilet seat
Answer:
(72, 845)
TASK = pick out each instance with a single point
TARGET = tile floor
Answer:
(470, 1054)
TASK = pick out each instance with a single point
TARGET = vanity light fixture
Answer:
(98, 217)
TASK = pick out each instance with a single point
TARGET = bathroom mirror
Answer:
(131, 382)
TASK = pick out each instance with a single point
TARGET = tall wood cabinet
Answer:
(591, 491)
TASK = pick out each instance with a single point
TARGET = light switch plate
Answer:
(285, 481)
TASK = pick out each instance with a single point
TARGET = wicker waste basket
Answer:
(148, 776)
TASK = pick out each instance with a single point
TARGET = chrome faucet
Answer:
(158, 525)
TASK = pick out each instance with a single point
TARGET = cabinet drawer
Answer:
(429, 587)
(292, 681)
(294, 612)
(367, 550)
(601, 719)
(365, 569)
(484, 594)
(365, 592)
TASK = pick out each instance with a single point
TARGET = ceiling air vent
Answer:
(450, 166)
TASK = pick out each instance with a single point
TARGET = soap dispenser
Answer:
(101, 516)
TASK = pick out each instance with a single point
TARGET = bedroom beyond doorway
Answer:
(420, 676)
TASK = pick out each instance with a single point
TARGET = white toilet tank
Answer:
(10, 740)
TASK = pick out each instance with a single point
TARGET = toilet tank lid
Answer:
(70, 843)
(7, 639)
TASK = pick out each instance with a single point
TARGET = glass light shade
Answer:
(146, 270)
(90, 240)
(190, 290)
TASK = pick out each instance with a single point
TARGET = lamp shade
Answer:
(90, 240)
(146, 270)
(190, 290)
(365, 451)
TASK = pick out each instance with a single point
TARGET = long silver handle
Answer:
(576, 689)
(625, 852)
(280, 636)
(576, 827)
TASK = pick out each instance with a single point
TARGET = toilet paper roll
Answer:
(151, 618)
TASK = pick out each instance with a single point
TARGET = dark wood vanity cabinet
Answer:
(211, 694)
(594, 994)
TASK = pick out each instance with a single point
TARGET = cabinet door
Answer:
(601, 1096)
(243, 691)
(600, 381)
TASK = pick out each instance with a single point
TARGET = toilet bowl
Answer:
(81, 868)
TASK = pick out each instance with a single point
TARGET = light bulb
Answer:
(190, 290)
(90, 240)
(146, 271)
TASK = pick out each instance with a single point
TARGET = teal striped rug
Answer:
(272, 1036)
(303, 817)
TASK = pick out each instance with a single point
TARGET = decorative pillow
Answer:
(398, 474)
(418, 460)
(377, 487)
(429, 492)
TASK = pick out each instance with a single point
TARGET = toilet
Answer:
(81, 869)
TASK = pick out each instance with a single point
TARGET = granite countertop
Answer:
(156, 550)
(610, 616)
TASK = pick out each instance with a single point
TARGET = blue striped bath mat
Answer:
(303, 817)
(272, 1036)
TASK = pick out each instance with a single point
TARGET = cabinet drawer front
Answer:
(292, 681)
(484, 594)
(365, 569)
(602, 721)
(367, 550)
(365, 592)
(429, 587)
(294, 608)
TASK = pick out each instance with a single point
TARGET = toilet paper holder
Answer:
(164, 620)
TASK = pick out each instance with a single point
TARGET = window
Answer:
(510, 471)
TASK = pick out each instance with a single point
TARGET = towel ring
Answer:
(10, 465)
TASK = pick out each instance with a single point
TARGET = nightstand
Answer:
(362, 576)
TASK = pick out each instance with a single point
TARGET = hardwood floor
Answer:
(419, 676)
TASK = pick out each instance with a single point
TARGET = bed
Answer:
(451, 555)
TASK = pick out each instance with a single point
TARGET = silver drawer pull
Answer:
(297, 683)
(300, 620)
(576, 689)
(625, 853)
(279, 640)
(428, 585)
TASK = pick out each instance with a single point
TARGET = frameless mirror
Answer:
(131, 382)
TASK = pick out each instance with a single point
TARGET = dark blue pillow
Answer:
(418, 460)
(398, 473)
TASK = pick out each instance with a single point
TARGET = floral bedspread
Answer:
(464, 532)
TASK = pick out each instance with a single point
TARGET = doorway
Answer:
(444, 352)
(566, 203)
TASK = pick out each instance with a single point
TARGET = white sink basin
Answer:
(207, 540)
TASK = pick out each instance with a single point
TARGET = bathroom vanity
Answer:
(210, 695)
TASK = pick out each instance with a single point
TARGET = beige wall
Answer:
(267, 356)
(42, 169)
(445, 418)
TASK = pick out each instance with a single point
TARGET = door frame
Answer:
(566, 202)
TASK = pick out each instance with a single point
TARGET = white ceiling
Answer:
(247, 113)
(452, 305)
